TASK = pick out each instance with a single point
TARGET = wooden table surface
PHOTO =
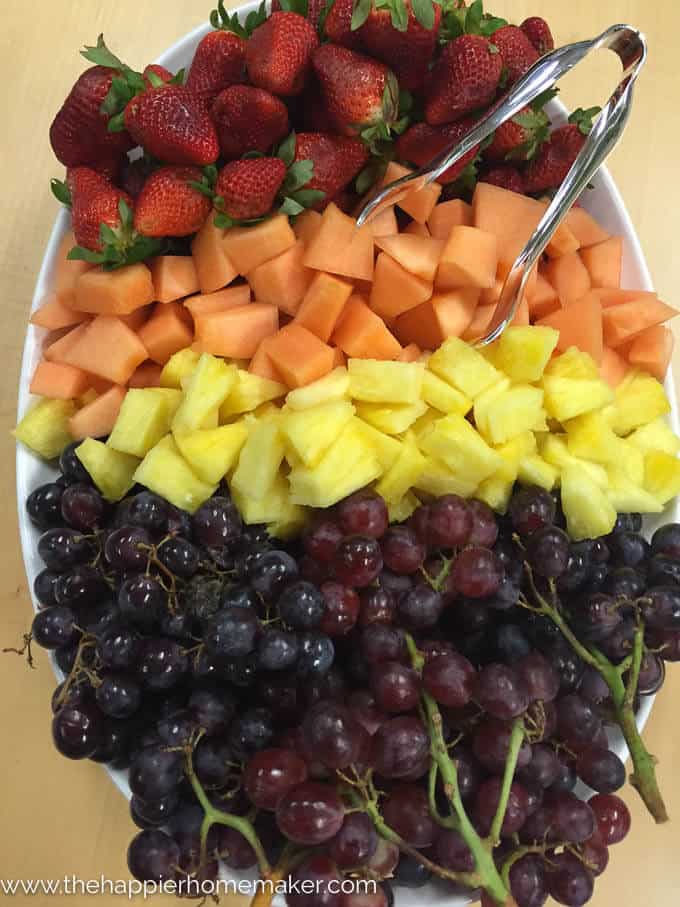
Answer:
(58, 817)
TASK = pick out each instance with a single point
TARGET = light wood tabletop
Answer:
(59, 817)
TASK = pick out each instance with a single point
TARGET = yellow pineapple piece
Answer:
(377, 381)
(179, 366)
(141, 423)
(404, 472)
(333, 386)
(523, 352)
(212, 452)
(534, 470)
(402, 509)
(554, 450)
(260, 459)
(205, 391)
(587, 509)
(639, 400)
(573, 363)
(443, 396)
(590, 436)
(632, 461)
(165, 472)
(454, 441)
(627, 497)
(484, 402)
(310, 432)
(423, 425)
(517, 410)
(173, 399)
(496, 491)
(656, 435)
(385, 448)
(275, 506)
(464, 367)
(250, 392)
(437, 479)
(44, 428)
(111, 471)
(291, 523)
(566, 398)
(662, 475)
(393, 420)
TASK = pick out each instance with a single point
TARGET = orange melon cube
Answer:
(66, 271)
(395, 290)
(339, 358)
(446, 215)
(307, 224)
(284, 280)
(107, 348)
(521, 317)
(652, 349)
(299, 356)
(97, 418)
(58, 381)
(543, 298)
(481, 320)
(385, 223)
(562, 243)
(323, 304)
(213, 267)
(116, 292)
(57, 349)
(54, 314)
(603, 262)
(339, 247)
(168, 331)
(504, 269)
(174, 277)
(99, 385)
(623, 321)
(220, 301)
(569, 277)
(249, 247)
(609, 296)
(491, 295)
(417, 254)
(444, 315)
(613, 368)
(579, 324)
(418, 204)
(148, 374)
(137, 318)
(362, 334)
(261, 364)
(469, 259)
(416, 229)
(236, 333)
(584, 227)
(410, 353)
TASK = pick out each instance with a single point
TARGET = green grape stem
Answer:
(516, 740)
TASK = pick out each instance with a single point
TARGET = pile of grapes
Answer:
(394, 702)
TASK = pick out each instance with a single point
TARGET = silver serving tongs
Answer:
(631, 47)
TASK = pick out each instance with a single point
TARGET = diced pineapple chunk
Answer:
(260, 459)
(385, 448)
(212, 452)
(311, 431)
(377, 381)
(401, 510)
(333, 386)
(534, 470)
(496, 491)
(464, 367)
(484, 402)
(590, 436)
(173, 399)
(627, 497)
(393, 420)
(423, 425)
(662, 475)
(656, 435)
(165, 471)
(523, 352)
(141, 423)
(514, 450)
(250, 392)
(573, 363)
(638, 401)
(179, 366)
(206, 389)
(454, 441)
(443, 396)
(587, 509)
(275, 506)
(291, 523)
(44, 428)
(404, 472)
(111, 471)
(566, 398)
(437, 479)
(515, 411)
(554, 450)
(632, 461)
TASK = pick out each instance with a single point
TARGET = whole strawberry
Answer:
(219, 61)
(246, 189)
(173, 125)
(94, 201)
(465, 78)
(279, 53)
(422, 142)
(338, 25)
(169, 205)
(516, 50)
(360, 93)
(79, 132)
(337, 160)
(538, 32)
(409, 49)
(248, 119)
(520, 137)
(505, 176)
(554, 160)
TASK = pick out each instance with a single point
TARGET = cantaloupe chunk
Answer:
(323, 304)
(444, 315)
(299, 356)
(340, 248)
(623, 321)
(137, 318)
(307, 224)
(168, 331)
(569, 277)
(603, 262)
(480, 323)
(116, 292)
(613, 367)
(446, 215)
(410, 353)
(339, 358)
(107, 348)
(584, 227)
(237, 333)
(652, 349)
(284, 280)
(418, 204)
(562, 243)
(148, 374)
(219, 301)
(491, 295)
(543, 299)
(395, 290)
(579, 324)
(363, 334)
(385, 223)
(58, 381)
(174, 277)
(416, 229)
(97, 418)
(67, 271)
(469, 259)
(261, 364)
(609, 296)
(521, 316)
(54, 314)
(249, 247)
(213, 266)
(417, 254)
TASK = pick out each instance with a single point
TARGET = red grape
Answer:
(491, 743)
(486, 803)
(398, 745)
(378, 606)
(310, 813)
(342, 609)
(539, 677)
(321, 539)
(317, 871)
(355, 843)
(601, 769)
(402, 551)
(528, 881)
(531, 509)
(595, 854)
(499, 689)
(477, 573)
(449, 679)
(450, 522)
(271, 773)
(363, 513)
(358, 561)
(484, 526)
(395, 686)
(452, 852)
(573, 819)
(569, 882)
(612, 817)
(547, 551)
(406, 810)
(332, 734)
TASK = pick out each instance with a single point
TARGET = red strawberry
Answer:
(520, 137)
(169, 206)
(314, 113)
(506, 177)
(359, 92)
(219, 61)
(248, 187)
(248, 119)
(94, 201)
(172, 124)
(160, 72)
(279, 53)
(465, 78)
(79, 134)
(516, 50)
(554, 160)
(538, 32)
(314, 10)
(338, 25)
(408, 52)
(421, 143)
(337, 160)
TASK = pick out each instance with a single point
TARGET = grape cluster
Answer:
(288, 681)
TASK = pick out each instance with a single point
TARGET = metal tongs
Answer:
(631, 47)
